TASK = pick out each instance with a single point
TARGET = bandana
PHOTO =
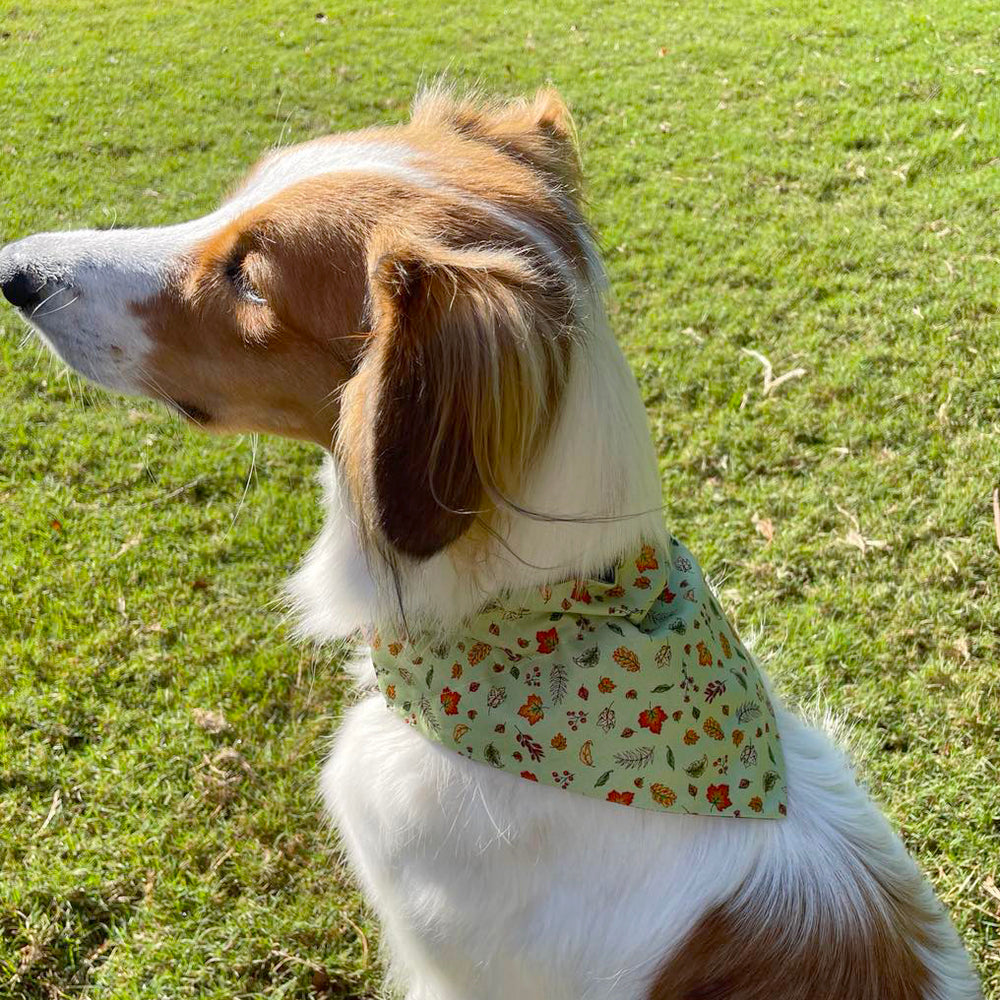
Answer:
(632, 688)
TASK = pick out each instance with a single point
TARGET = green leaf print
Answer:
(558, 683)
(640, 757)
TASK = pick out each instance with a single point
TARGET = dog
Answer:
(424, 301)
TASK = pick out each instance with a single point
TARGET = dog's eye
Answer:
(236, 272)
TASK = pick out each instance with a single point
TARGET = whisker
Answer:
(156, 390)
(37, 315)
(246, 488)
(51, 295)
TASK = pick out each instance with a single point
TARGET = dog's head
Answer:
(404, 296)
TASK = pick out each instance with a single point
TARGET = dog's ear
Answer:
(539, 131)
(466, 361)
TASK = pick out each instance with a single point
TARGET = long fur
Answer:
(427, 306)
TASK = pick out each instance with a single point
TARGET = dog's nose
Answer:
(23, 289)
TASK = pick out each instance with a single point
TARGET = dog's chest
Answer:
(469, 869)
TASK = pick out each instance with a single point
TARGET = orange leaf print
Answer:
(647, 559)
(558, 741)
(652, 719)
(727, 650)
(622, 798)
(456, 671)
(691, 737)
(606, 685)
(662, 795)
(478, 653)
(756, 804)
(580, 593)
(527, 775)
(626, 659)
(395, 648)
(547, 640)
(737, 737)
(450, 700)
(641, 583)
(390, 692)
(532, 710)
(718, 795)
(704, 655)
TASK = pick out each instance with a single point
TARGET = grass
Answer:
(814, 182)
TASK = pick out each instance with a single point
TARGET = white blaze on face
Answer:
(89, 280)
(86, 282)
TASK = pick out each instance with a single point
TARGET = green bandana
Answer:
(636, 691)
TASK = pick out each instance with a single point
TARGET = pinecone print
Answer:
(748, 755)
(712, 728)
(662, 795)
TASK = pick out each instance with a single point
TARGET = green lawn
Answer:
(813, 181)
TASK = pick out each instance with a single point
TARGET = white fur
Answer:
(489, 887)
(492, 888)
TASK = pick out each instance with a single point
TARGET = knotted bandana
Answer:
(634, 689)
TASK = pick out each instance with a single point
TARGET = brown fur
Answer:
(424, 333)
(538, 132)
(269, 368)
(774, 946)
(468, 361)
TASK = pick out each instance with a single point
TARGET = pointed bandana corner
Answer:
(636, 691)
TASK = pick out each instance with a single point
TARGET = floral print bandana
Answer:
(633, 689)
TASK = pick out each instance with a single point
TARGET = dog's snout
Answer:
(23, 289)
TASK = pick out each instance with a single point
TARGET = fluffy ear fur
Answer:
(464, 371)
(538, 131)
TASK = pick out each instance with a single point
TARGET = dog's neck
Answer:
(596, 482)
